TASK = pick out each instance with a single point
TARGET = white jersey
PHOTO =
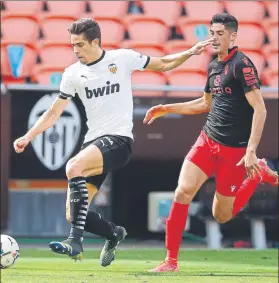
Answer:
(105, 89)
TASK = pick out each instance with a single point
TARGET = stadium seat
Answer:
(187, 79)
(110, 46)
(45, 76)
(148, 77)
(202, 10)
(20, 29)
(54, 29)
(272, 61)
(270, 78)
(250, 36)
(112, 29)
(272, 33)
(26, 8)
(246, 11)
(57, 55)
(109, 8)
(169, 10)
(65, 8)
(193, 31)
(273, 81)
(28, 60)
(272, 8)
(155, 50)
(138, 26)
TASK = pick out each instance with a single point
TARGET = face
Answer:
(84, 50)
(223, 38)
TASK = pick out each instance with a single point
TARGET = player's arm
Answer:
(255, 99)
(247, 75)
(47, 120)
(169, 62)
(192, 107)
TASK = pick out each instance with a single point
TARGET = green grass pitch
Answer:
(196, 266)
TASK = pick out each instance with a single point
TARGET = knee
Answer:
(73, 169)
(221, 217)
(184, 194)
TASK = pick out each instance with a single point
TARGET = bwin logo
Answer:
(100, 91)
(55, 145)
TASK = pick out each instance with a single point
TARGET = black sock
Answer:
(95, 224)
(78, 206)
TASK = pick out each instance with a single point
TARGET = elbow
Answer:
(164, 68)
(164, 65)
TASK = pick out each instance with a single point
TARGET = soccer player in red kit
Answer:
(228, 142)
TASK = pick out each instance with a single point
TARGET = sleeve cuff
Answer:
(63, 95)
(147, 62)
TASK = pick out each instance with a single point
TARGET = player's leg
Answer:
(103, 155)
(190, 180)
(197, 167)
(228, 178)
(97, 225)
(233, 190)
(94, 222)
(90, 158)
(249, 185)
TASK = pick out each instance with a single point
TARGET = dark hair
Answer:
(89, 28)
(229, 21)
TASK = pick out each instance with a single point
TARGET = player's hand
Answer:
(21, 143)
(154, 113)
(250, 162)
(200, 46)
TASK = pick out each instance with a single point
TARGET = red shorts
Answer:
(213, 157)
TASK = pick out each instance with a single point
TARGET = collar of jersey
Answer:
(232, 51)
(97, 61)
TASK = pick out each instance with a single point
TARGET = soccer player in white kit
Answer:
(102, 80)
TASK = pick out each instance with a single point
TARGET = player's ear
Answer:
(96, 41)
(233, 36)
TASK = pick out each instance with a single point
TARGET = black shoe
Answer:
(71, 247)
(109, 249)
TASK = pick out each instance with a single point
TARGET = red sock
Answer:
(244, 194)
(174, 229)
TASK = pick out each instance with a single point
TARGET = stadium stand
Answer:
(183, 77)
(18, 28)
(145, 48)
(202, 11)
(113, 29)
(148, 78)
(70, 8)
(124, 25)
(29, 57)
(25, 8)
(116, 8)
(54, 29)
(169, 12)
(137, 26)
(246, 11)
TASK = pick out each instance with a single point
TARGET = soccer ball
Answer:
(9, 251)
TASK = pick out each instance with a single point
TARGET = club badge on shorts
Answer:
(112, 68)
(54, 147)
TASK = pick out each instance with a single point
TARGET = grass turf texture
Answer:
(229, 266)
